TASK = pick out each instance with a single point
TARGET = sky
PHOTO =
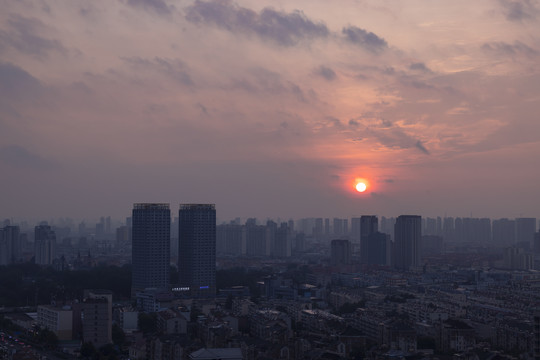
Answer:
(270, 108)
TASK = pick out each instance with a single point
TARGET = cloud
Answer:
(519, 10)
(18, 156)
(25, 35)
(367, 40)
(16, 83)
(160, 7)
(504, 49)
(421, 147)
(261, 80)
(285, 29)
(389, 135)
(173, 68)
(326, 73)
(419, 67)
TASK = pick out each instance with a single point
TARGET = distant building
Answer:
(197, 249)
(340, 252)
(10, 245)
(504, 232)
(231, 239)
(408, 233)
(282, 241)
(44, 244)
(151, 247)
(355, 232)
(369, 225)
(525, 229)
(257, 239)
(123, 236)
(377, 249)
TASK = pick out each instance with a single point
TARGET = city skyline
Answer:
(270, 108)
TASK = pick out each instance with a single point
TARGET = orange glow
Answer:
(361, 187)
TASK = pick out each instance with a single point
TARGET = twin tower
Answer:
(151, 254)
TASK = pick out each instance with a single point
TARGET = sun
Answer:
(361, 187)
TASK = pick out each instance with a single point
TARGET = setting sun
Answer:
(361, 187)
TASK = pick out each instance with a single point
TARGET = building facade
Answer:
(45, 244)
(151, 247)
(408, 234)
(197, 249)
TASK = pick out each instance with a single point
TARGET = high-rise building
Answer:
(369, 224)
(96, 317)
(525, 229)
(504, 232)
(10, 245)
(197, 249)
(408, 233)
(282, 241)
(150, 247)
(377, 249)
(44, 244)
(355, 232)
(340, 252)
(338, 227)
(231, 239)
(257, 239)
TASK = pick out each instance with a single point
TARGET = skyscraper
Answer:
(44, 244)
(408, 233)
(197, 249)
(369, 224)
(151, 247)
(10, 247)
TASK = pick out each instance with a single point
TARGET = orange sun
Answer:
(361, 187)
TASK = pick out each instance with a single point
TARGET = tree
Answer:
(147, 323)
(118, 335)
(87, 350)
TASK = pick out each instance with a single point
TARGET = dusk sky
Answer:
(270, 108)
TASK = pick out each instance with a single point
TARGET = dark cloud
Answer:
(16, 83)
(393, 136)
(505, 49)
(18, 156)
(421, 147)
(353, 122)
(282, 28)
(176, 69)
(326, 72)
(335, 122)
(159, 7)
(415, 83)
(26, 36)
(419, 67)
(261, 80)
(367, 40)
(519, 10)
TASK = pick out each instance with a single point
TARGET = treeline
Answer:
(29, 284)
